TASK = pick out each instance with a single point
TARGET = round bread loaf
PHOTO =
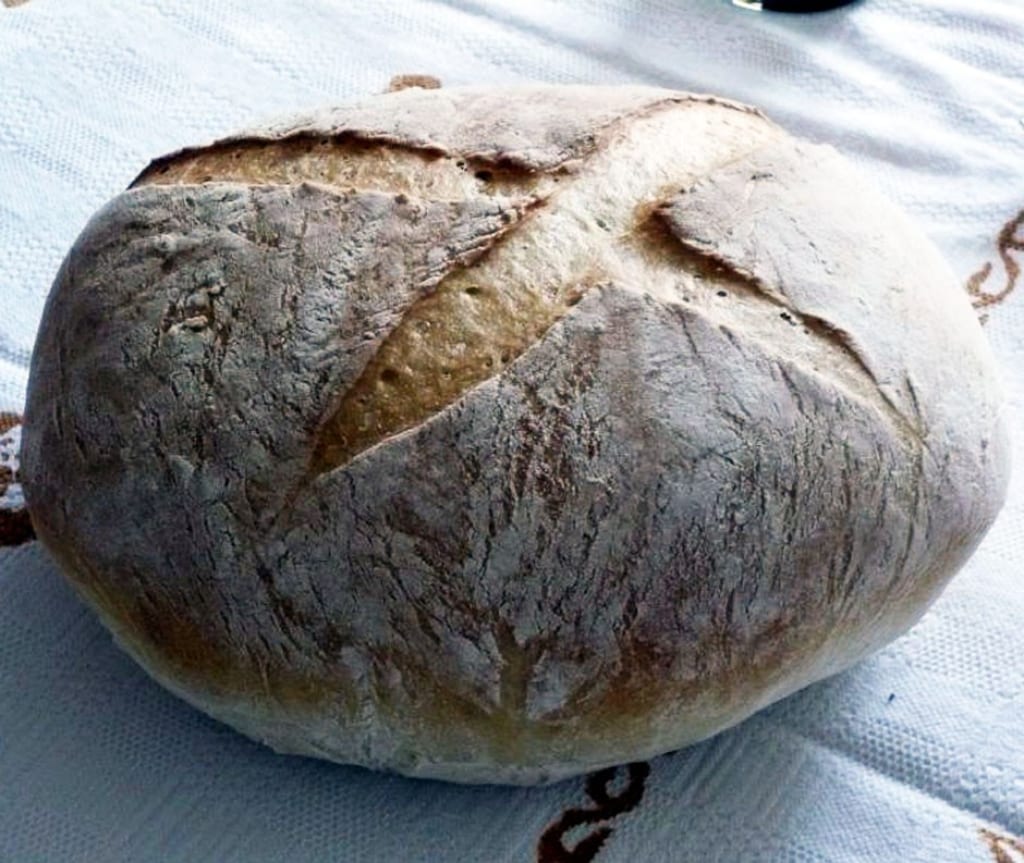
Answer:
(501, 435)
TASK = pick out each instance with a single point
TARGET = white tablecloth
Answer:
(915, 755)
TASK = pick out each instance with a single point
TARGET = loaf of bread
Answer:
(501, 435)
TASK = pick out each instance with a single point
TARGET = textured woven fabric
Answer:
(916, 754)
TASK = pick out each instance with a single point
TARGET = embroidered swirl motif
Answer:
(1007, 242)
(1005, 849)
(15, 527)
(551, 848)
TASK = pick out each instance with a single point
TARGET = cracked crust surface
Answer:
(715, 455)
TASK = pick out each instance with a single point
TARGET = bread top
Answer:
(566, 187)
(574, 147)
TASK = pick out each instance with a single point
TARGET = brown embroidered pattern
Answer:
(551, 848)
(1007, 242)
(1005, 849)
(404, 82)
(15, 526)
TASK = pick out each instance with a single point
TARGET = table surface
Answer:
(915, 754)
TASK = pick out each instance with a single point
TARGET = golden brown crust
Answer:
(348, 161)
(462, 334)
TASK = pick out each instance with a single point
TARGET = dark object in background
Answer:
(791, 5)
